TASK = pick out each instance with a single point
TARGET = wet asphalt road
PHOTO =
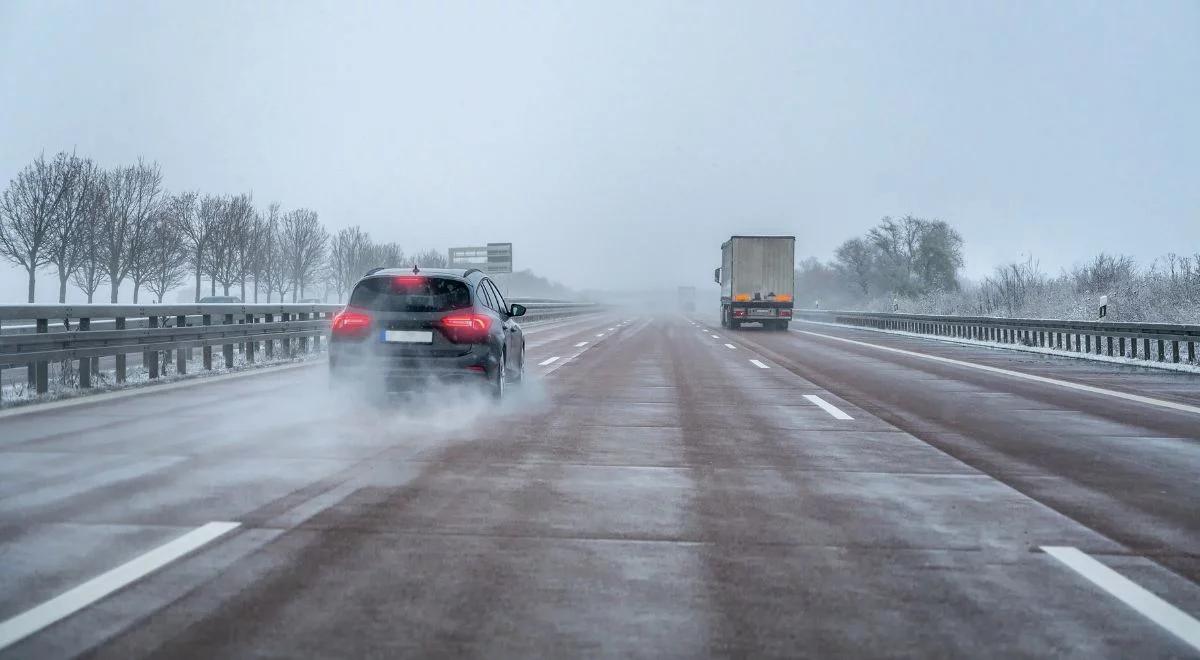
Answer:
(653, 492)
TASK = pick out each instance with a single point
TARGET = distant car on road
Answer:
(220, 299)
(406, 328)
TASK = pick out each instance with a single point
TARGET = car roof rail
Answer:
(468, 272)
(375, 270)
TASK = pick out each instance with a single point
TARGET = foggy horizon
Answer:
(617, 145)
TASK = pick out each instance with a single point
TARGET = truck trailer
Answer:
(758, 281)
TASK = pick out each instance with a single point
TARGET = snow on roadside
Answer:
(65, 386)
(1115, 359)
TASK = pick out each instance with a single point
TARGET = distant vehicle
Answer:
(220, 299)
(758, 281)
(311, 301)
(405, 328)
(687, 298)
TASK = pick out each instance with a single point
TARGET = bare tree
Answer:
(165, 253)
(383, 255)
(81, 178)
(134, 192)
(196, 223)
(857, 261)
(430, 259)
(229, 251)
(28, 212)
(89, 273)
(303, 245)
(265, 225)
(348, 251)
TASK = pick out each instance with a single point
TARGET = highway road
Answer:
(661, 487)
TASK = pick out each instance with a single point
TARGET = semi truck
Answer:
(758, 281)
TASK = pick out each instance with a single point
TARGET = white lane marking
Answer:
(731, 346)
(611, 329)
(1175, 620)
(582, 343)
(715, 337)
(548, 361)
(1017, 374)
(827, 407)
(600, 335)
(758, 364)
(71, 601)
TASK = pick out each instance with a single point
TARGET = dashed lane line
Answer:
(827, 407)
(759, 364)
(1173, 619)
(548, 361)
(69, 602)
(731, 346)
(581, 344)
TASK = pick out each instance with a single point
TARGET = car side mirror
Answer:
(516, 310)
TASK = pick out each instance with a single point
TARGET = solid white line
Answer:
(758, 364)
(69, 602)
(1174, 620)
(730, 346)
(827, 407)
(582, 343)
(1017, 374)
(548, 361)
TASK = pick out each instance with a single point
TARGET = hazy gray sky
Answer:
(616, 143)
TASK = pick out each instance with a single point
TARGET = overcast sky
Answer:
(618, 143)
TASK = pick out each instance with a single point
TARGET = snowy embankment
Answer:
(1115, 359)
(64, 381)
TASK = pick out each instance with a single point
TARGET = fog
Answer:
(617, 144)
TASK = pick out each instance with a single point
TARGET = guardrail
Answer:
(1161, 342)
(37, 335)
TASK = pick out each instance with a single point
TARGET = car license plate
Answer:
(762, 312)
(408, 336)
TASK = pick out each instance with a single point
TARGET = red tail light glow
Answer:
(466, 328)
(787, 313)
(739, 312)
(407, 281)
(351, 324)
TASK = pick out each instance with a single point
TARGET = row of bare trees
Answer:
(96, 226)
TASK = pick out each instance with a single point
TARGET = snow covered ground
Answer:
(1126, 360)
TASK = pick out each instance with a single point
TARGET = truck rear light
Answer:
(787, 313)
(350, 324)
(739, 312)
(466, 328)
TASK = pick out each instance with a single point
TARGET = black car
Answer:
(406, 327)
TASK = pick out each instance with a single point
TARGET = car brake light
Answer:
(466, 328)
(739, 312)
(785, 312)
(349, 323)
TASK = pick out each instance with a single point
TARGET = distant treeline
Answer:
(94, 226)
(913, 265)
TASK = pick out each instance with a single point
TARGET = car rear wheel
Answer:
(499, 382)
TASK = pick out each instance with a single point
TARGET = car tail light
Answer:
(785, 313)
(351, 324)
(739, 312)
(466, 328)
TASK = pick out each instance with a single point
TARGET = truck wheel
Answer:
(733, 325)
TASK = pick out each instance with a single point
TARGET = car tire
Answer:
(501, 377)
(520, 375)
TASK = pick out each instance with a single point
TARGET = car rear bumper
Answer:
(405, 371)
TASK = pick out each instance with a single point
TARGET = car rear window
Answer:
(411, 293)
